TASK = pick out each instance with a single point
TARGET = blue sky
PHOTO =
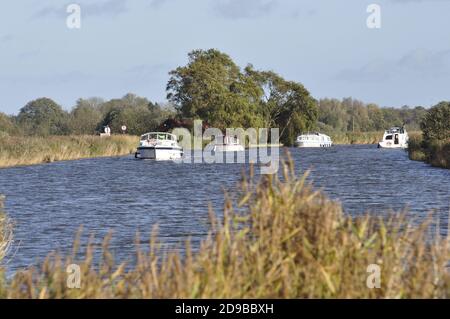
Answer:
(131, 45)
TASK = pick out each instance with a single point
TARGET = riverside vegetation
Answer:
(5, 232)
(16, 150)
(434, 145)
(280, 239)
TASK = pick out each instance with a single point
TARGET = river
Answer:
(49, 202)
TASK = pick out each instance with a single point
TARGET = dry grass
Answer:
(362, 137)
(286, 241)
(17, 151)
(357, 137)
(6, 234)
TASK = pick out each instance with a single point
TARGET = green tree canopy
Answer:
(7, 125)
(212, 87)
(136, 113)
(85, 116)
(284, 104)
(43, 117)
(436, 123)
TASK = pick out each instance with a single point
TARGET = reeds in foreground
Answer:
(286, 240)
(6, 234)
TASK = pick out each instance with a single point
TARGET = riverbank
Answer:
(356, 138)
(362, 138)
(286, 241)
(436, 153)
(20, 151)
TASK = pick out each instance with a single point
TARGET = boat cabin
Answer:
(226, 140)
(158, 137)
(395, 137)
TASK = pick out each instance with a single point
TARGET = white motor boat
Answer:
(314, 140)
(395, 137)
(225, 144)
(159, 146)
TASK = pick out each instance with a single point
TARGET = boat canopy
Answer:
(158, 136)
(313, 137)
(394, 130)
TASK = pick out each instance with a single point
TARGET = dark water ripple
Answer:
(49, 202)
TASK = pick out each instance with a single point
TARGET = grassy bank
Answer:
(356, 137)
(16, 151)
(362, 137)
(436, 153)
(286, 241)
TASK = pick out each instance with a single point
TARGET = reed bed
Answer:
(18, 151)
(6, 233)
(362, 137)
(357, 137)
(436, 153)
(280, 239)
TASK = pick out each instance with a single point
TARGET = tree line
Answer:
(44, 117)
(351, 115)
(213, 88)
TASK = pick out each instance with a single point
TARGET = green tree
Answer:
(136, 113)
(332, 115)
(43, 117)
(436, 123)
(376, 118)
(7, 125)
(284, 104)
(212, 87)
(85, 116)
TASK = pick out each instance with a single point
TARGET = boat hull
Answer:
(313, 145)
(229, 148)
(392, 145)
(159, 153)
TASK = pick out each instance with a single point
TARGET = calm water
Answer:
(49, 202)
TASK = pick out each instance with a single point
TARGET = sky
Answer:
(131, 45)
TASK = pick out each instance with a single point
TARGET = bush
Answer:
(436, 124)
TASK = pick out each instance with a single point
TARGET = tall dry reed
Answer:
(6, 233)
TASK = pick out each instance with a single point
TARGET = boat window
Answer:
(389, 137)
